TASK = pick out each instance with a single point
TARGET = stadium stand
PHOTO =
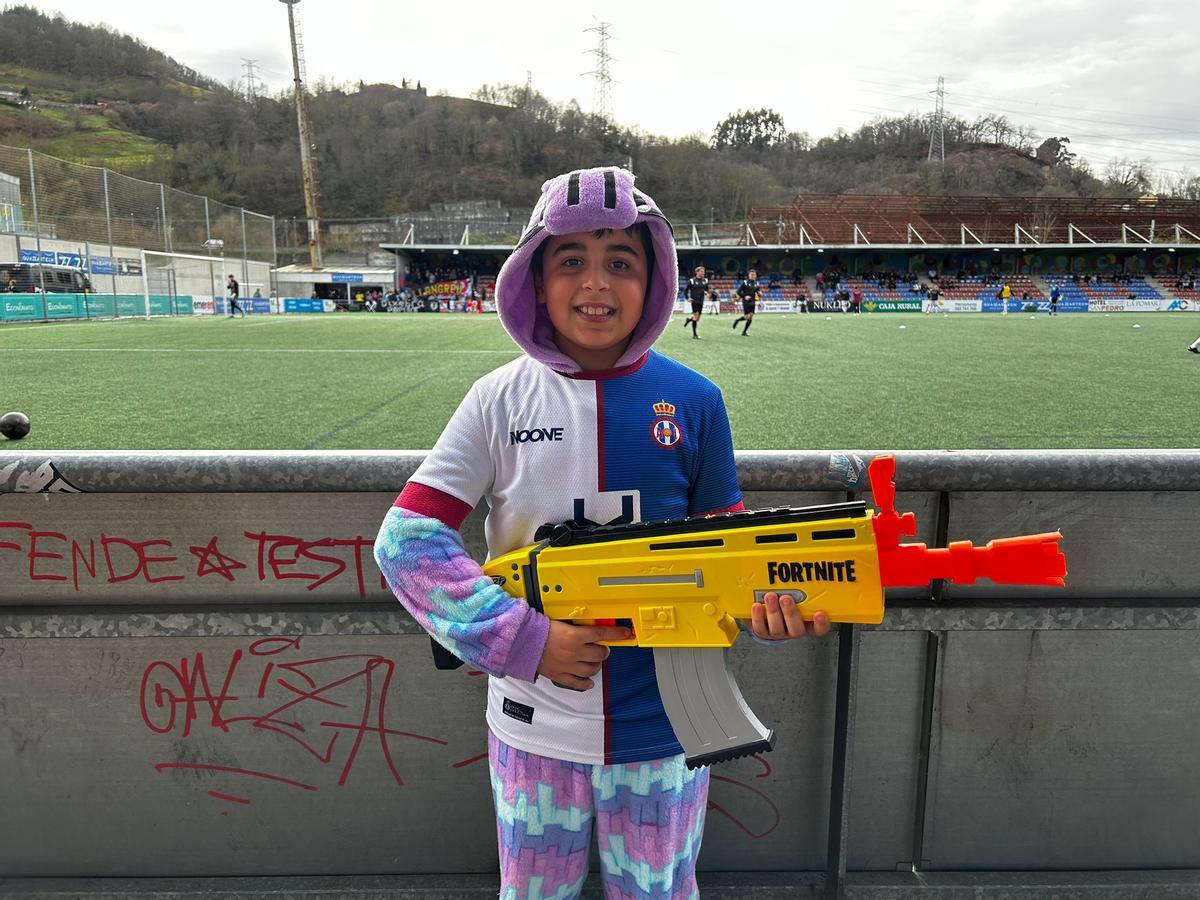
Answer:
(976, 287)
(1105, 290)
(726, 286)
(875, 290)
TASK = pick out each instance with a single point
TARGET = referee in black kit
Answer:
(750, 291)
(697, 290)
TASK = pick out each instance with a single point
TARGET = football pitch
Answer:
(361, 381)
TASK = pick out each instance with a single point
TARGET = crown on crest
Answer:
(663, 408)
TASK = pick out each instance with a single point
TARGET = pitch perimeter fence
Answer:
(202, 676)
(99, 221)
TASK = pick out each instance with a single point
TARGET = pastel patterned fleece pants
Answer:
(649, 820)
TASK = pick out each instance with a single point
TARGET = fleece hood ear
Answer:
(586, 200)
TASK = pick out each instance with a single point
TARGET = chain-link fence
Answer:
(85, 242)
(45, 198)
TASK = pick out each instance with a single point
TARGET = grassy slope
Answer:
(82, 136)
(797, 382)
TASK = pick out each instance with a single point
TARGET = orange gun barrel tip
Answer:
(1029, 559)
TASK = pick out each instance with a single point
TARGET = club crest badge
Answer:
(665, 430)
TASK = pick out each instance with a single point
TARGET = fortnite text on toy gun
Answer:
(683, 583)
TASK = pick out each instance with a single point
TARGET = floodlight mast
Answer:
(308, 167)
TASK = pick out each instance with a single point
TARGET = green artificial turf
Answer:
(366, 381)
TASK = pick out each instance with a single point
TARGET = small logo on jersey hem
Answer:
(518, 711)
(665, 430)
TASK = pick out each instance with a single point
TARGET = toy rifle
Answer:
(683, 583)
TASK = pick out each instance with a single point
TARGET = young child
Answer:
(590, 424)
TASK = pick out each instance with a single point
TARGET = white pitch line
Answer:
(236, 350)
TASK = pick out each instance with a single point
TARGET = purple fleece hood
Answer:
(586, 200)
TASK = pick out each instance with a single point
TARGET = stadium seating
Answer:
(727, 286)
(976, 287)
(1105, 290)
(875, 290)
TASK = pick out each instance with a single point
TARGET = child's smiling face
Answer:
(593, 285)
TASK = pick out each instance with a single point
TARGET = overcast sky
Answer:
(1119, 78)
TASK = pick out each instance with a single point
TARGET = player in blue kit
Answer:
(590, 424)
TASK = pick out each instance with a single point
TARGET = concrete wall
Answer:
(201, 674)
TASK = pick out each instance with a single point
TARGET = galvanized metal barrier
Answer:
(202, 676)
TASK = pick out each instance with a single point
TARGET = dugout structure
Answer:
(202, 677)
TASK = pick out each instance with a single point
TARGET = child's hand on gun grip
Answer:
(778, 619)
(573, 654)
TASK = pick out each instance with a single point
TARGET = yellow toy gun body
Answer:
(683, 584)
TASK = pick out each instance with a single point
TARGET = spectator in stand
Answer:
(821, 283)
(11, 287)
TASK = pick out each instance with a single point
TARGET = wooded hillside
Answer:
(385, 150)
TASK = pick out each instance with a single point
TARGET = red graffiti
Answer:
(314, 562)
(774, 810)
(330, 708)
(285, 554)
(213, 562)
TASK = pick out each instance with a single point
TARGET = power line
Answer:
(937, 128)
(1086, 119)
(602, 91)
(1118, 112)
(1051, 121)
(880, 110)
(250, 79)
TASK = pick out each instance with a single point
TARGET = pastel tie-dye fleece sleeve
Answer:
(432, 575)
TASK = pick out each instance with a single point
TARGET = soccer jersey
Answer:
(749, 291)
(644, 443)
(697, 288)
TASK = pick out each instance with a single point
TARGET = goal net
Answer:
(181, 284)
